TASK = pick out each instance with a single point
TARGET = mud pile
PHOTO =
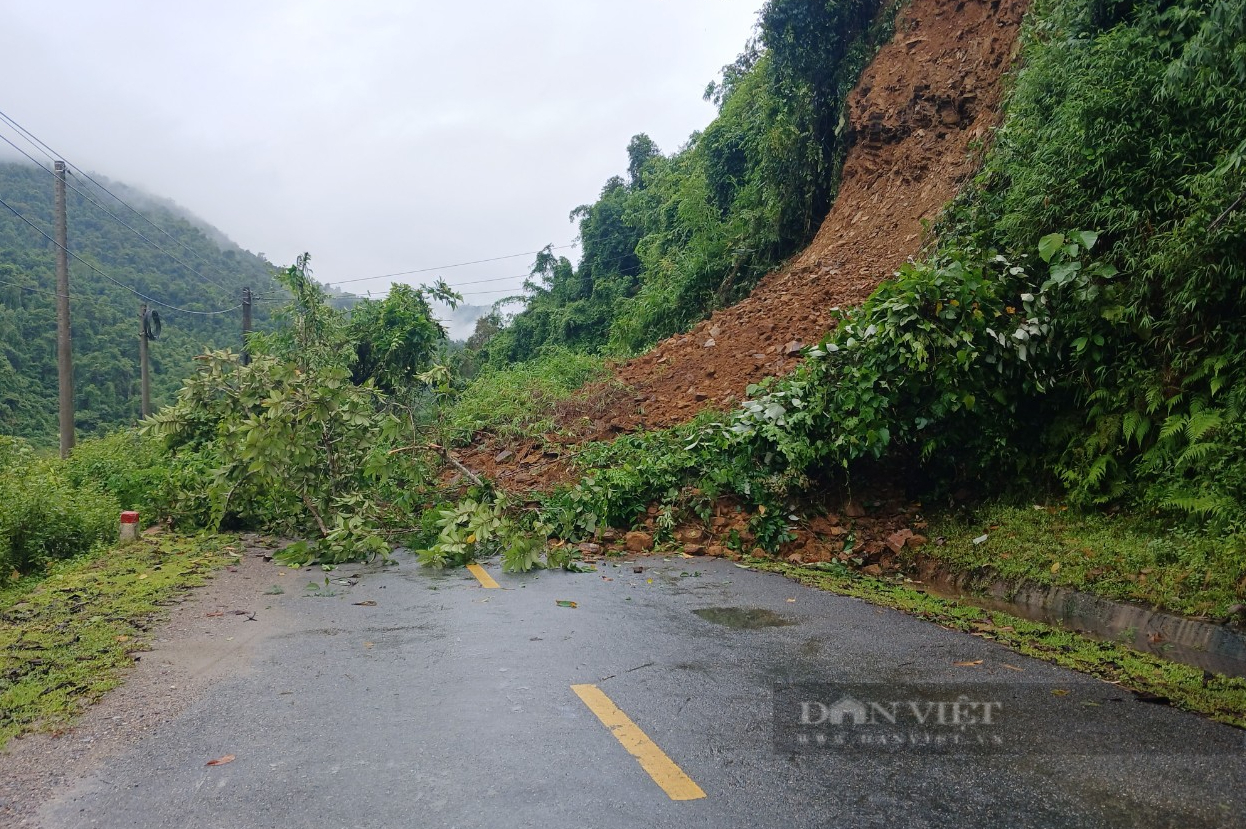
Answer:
(919, 118)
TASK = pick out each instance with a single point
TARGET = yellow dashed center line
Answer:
(661, 768)
(482, 576)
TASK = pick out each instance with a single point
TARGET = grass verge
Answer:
(1220, 698)
(1117, 556)
(67, 638)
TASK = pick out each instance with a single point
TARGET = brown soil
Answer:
(928, 96)
(867, 536)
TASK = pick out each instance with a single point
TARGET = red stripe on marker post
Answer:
(129, 526)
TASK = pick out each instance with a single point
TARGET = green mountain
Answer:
(199, 270)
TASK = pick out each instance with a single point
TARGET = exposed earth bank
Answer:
(922, 109)
(919, 118)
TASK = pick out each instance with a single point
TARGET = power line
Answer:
(448, 267)
(484, 293)
(483, 281)
(52, 154)
(32, 290)
(448, 285)
(119, 220)
(132, 290)
(266, 297)
(613, 263)
(78, 298)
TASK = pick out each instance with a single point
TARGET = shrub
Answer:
(131, 467)
(43, 515)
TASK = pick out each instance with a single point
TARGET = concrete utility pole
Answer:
(144, 372)
(64, 350)
(246, 325)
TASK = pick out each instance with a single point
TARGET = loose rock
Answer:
(638, 542)
(897, 539)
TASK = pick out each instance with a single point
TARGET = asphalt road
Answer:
(451, 704)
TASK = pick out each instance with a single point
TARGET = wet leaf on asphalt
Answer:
(220, 761)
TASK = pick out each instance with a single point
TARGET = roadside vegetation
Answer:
(1140, 559)
(517, 400)
(45, 515)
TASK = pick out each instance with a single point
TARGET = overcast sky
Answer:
(380, 135)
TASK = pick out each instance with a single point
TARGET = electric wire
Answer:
(119, 284)
(613, 263)
(53, 155)
(448, 267)
(118, 219)
(32, 290)
(453, 285)
(99, 303)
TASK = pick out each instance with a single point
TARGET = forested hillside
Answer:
(210, 276)
(681, 234)
(1076, 315)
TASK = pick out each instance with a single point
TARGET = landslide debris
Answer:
(918, 117)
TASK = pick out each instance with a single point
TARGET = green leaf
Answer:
(1049, 244)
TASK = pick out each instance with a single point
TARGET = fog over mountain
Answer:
(381, 136)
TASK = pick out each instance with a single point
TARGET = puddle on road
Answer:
(743, 618)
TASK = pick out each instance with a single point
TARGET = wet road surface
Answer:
(650, 702)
